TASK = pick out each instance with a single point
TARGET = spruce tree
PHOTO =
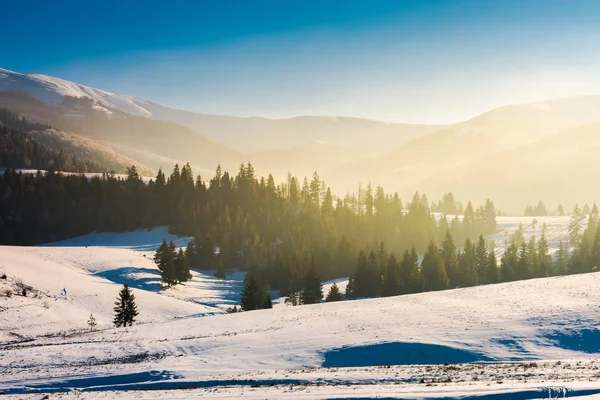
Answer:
(167, 265)
(252, 296)
(575, 225)
(220, 273)
(491, 274)
(481, 261)
(433, 271)
(125, 308)
(391, 285)
(312, 290)
(349, 292)
(334, 294)
(450, 260)
(562, 259)
(468, 265)
(182, 267)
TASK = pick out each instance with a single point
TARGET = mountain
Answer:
(242, 134)
(458, 147)
(150, 143)
(558, 169)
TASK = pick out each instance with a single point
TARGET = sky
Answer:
(425, 61)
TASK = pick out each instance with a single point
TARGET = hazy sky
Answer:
(408, 61)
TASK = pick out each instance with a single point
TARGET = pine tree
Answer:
(561, 262)
(544, 259)
(312, 290)
(391, 281)
(434, 273)
(481, 261)
(468, 265)
(220, 274)
(508, 263)
(182, 267)
(159, 256)
(252, 296)
(125, 308)
(491, 274)
(167, 265)
(410, 274)
(450, 260)
(349, 292)
(267, 302)
(575, 225)
(334, 294)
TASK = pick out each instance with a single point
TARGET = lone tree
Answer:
(125, 308)
(92, 323)
(334, 293)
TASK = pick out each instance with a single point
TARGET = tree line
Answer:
(237, 221)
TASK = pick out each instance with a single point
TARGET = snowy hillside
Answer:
(51, 90)
(184, 338)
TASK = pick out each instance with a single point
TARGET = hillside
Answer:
(242, 134)
(184, 328)
(151, 143)
(460, 145)
(554, 169)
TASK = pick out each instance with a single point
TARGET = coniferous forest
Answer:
(19, 150)
(290, 236)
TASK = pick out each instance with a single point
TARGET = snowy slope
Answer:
(184, 338)
(51, 90)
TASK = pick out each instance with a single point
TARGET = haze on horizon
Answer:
(431, 62)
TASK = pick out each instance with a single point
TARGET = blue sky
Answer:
(425, 61)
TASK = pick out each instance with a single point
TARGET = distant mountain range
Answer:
(515, 154)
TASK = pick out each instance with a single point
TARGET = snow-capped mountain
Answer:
(51, 90)
(245, 135)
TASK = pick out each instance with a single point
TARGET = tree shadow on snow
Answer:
(584, 340)
(399, 353)
(139, 278)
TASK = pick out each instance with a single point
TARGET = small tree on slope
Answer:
(125, 308)
(334, 294)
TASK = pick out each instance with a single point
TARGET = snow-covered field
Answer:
(535, 338)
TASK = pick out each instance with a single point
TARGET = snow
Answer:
(51, 90)
(184, 338)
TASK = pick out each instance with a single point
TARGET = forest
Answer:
(19, 150)
(291, 235)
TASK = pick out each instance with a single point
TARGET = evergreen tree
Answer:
(349, 292)
(312, 290)
(544, 259)
(391, 281)
(182, 267)
(468, 265)
(410, 274)
(267, 302)
(575, 225)
(125, 308)
(450, 260)
(253, 296)
(334, 294)
(434, 273)
(508, 263)
(561, 262)
(481, 261)
(491, 274)
(220, 273)
(167, 265)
